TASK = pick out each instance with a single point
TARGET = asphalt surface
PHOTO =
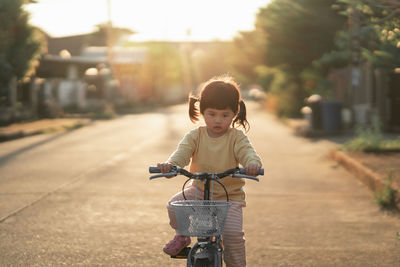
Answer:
(83, 198)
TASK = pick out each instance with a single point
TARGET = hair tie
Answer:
(196, 99)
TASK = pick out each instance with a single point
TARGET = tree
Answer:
(248, 55)
(374, 31)
(19, 44)
(100, 35)
(298, 32)
(373, 35)
(212, 61)
(162, 69)
(289, 36)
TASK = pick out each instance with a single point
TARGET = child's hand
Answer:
(252, 169)
(164, 167)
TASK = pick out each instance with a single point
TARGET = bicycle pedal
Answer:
(182, 254)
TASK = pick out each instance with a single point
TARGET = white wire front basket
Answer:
(200, 217)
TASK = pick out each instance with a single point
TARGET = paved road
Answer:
(82, 198)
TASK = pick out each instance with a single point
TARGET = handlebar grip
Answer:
(246, 176)
(154, 170)
(163, 175)
(243, 171)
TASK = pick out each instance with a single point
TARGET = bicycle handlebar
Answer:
(154, 170)
(235, 173)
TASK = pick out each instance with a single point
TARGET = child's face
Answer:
(218, 121)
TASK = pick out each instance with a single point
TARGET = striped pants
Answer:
(233, 236)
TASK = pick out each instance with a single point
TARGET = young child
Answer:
(216, 147)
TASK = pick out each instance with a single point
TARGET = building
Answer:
(369, 92)
(89, 75)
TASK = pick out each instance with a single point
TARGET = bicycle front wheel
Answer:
(203, 263)
(216, 262)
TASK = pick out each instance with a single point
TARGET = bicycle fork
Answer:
(208, 250)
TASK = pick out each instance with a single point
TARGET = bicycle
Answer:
(203, 219)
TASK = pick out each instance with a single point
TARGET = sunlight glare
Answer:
(151, 19)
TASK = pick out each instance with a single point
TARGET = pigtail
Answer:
(241, 117)
(193, 110)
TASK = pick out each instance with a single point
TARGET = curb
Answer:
(8, 136)
(29, 129)
(373, 180)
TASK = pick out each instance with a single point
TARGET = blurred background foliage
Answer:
(296, 43)
(289, 53)
(20, 44)
(289, 36)
(162, 68)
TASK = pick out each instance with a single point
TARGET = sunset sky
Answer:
(152, 19)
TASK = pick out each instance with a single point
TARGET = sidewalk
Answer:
(371, 169)
(23, 129)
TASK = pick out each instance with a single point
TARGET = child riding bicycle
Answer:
(215, 147)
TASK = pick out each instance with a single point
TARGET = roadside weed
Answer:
(386, 198)
(74, 126)
(371, 138)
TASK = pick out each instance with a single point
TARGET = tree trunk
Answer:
(12, 87)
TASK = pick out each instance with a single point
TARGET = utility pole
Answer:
(354, 25)
(109, 41)
(110, 53)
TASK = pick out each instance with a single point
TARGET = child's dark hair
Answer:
(220, 93)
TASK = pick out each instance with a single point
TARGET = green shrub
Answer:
(74, 126)
(289, 96)
(371, 138)
(386, 198)
(106, 114)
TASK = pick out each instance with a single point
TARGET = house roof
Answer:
(74, 44)
(56, 65)
(120, 55)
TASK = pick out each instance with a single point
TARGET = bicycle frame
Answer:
(207, 251)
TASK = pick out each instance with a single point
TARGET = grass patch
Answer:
(371, 139)
(107, 114)
(52, 130)
(386, 198)
(74, 126)
(63, 128)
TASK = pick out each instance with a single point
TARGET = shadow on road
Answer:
(6, 158)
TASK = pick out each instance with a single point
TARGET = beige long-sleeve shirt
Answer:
(206, 154)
